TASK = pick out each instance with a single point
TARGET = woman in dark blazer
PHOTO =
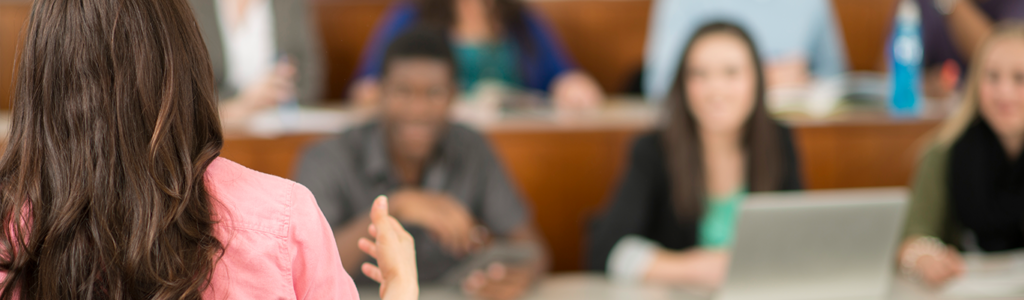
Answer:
(673, 216)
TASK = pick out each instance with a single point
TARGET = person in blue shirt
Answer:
(496, 40)
(798, 39)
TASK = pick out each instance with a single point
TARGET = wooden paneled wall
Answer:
(865, 26)
(861, 155)
(605, 37)
(346, 26)
(12, 15)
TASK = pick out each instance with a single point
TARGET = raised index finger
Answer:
(379, 210)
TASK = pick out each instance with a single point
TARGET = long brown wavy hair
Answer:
(764, 151)
(114, 125)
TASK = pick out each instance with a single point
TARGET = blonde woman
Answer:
(968, 192)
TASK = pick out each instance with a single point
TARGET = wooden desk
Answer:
(567, 167)
(858, 153)
(987, 276)
(591, 286)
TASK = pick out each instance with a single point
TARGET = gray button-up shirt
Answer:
(347, 172)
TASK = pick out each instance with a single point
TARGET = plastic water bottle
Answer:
(905, 61)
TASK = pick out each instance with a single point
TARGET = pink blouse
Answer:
(277, 243)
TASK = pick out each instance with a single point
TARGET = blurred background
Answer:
(567, 163)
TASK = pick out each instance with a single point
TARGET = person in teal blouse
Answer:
(493, 40)
(673, 217)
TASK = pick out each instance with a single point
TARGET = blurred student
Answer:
(799, 39)
(972, 179)
(263, 52)
(497, 40)
(112, 184)
(673, 216)
(952, 30)
(444, 182)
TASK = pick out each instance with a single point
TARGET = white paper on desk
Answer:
(277, 122)
(996, 275)
(817, 99)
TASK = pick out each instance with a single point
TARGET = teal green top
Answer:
(718, 227)
(494, 61)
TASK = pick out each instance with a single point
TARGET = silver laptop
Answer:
(835, 244)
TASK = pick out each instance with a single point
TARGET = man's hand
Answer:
(274, 88)
(499, 282)
(443, 216)
(791, 72)
(576, 91)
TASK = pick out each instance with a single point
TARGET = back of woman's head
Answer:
(114, 125)
(681, 136)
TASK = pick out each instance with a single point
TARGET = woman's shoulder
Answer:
(935, 152)
(401, 14)
(273, 231)
(647, 155)
(648, 144)
(229, 176)
(251, 199)
(785, 132)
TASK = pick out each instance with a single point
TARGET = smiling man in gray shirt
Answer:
(443, 180)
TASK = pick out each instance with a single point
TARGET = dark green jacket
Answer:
(929, 213)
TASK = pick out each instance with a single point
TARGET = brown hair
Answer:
(114, 125)
(511, 15)
(683, 146)
(957, 123)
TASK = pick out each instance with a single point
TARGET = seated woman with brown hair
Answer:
(672, 219)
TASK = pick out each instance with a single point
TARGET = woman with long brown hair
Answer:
(672, 218)
(111, 183)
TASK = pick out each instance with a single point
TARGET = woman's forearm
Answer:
(694, 267)
(968, 26)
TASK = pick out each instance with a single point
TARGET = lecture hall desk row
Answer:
(567, 168)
